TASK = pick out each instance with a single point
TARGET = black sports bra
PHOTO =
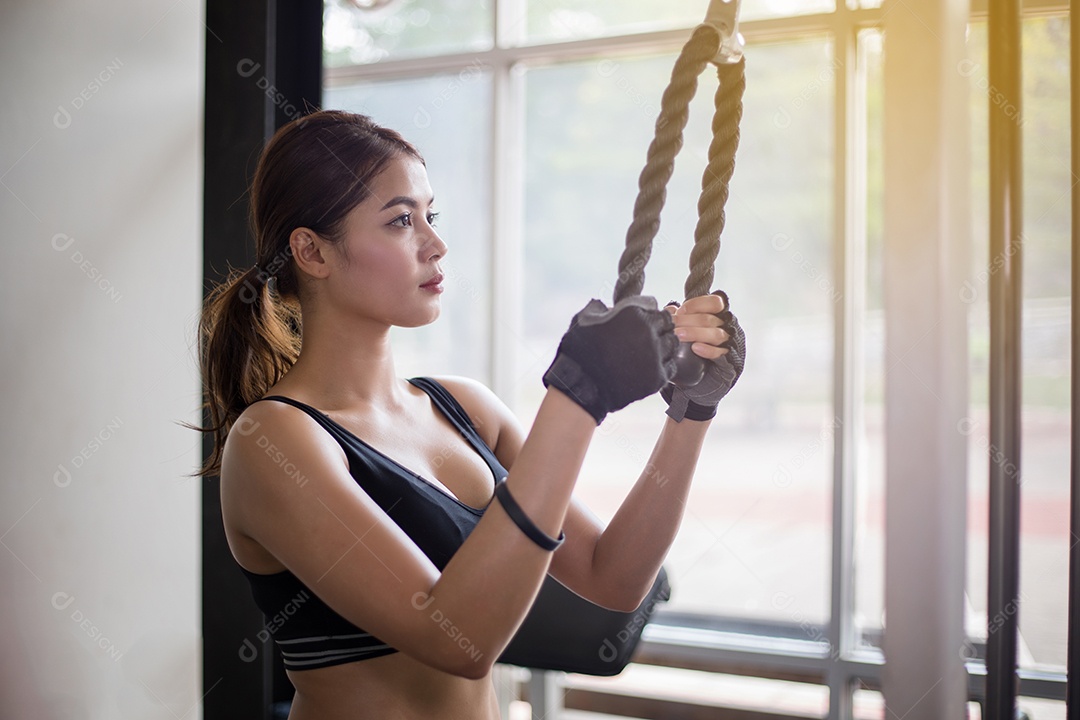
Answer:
(308, 632)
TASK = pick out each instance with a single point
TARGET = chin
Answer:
(420, 320)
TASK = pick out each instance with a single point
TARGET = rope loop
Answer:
(702, 47)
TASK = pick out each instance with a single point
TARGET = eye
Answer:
(402, 220)
(431, 218)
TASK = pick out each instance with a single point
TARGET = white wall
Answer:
(101, 202)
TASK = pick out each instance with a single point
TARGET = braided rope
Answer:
(716, 178)
(660, 163)
(660, 159)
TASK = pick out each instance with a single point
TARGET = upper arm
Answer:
(286, 483)
(572, 562)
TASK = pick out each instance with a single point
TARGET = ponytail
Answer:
(249, 337)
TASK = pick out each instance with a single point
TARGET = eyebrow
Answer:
(404, 200)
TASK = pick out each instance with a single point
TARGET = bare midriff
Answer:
(391, 686)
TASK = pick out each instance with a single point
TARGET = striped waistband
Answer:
(323, 651)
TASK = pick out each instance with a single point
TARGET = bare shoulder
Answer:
(272, 443)
(264, 426)
(489, 414)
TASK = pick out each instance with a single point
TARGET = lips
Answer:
(433, 282)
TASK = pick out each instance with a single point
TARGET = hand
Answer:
(611, 357)
(715, 335)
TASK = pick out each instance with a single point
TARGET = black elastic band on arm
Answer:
(522, 520)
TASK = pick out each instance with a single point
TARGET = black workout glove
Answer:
(611, 357)
(699, 401)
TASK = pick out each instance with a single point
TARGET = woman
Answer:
(390, 578)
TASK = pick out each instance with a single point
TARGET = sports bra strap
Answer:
(318, 416)
(439, 395)
(435, 390)
(282, 398)
(295, 403)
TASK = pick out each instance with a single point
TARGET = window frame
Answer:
(716, 643)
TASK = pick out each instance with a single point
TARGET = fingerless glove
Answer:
(610, 357)
(699, 402)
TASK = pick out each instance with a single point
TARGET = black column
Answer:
(1006, 301)
(263, 68)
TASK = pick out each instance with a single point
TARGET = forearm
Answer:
(489, 585)
(632, 548)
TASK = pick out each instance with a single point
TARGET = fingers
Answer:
(706, 311)
(704, 304)
(706, 320)
(699, 321)
(709, 352)
(705, 339)
(710, 335)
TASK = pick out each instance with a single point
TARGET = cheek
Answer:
(381, 275)
(384, 265)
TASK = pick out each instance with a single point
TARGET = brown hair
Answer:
(312, 173)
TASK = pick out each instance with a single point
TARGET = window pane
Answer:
(867, 704)
(716, 694)
(1044, 543)
(1039, 709)
(447, 118)
(1045, 538)
(366, 31)
(869, 546)
(870, 705)
(755, 539)
(568, 19)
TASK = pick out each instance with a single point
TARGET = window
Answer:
(535, 119)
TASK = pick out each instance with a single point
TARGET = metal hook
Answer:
(724, 16)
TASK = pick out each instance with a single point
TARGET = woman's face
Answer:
(393, 275)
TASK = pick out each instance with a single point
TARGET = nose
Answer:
(435, 248)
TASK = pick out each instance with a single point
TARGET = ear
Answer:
(310, 251)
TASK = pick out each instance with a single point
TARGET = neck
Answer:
(343, 367)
